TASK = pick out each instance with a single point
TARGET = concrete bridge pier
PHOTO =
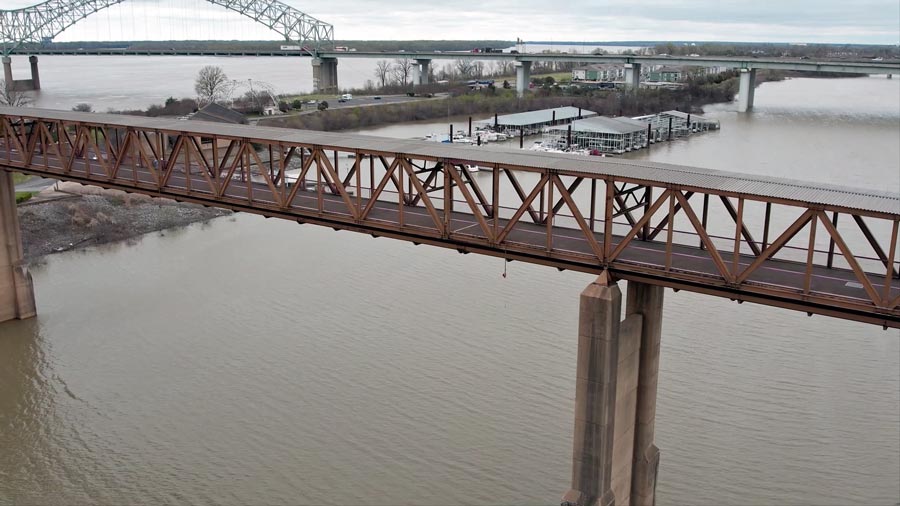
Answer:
(32, 84)
(7, 73)
(16, 288)
(647, 301)
(614, 461)
(421, 71)
(746, 89)
(523, 77)
(35, 75)
(632, 76)
(325, 77)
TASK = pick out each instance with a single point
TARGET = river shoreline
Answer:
(76, 216)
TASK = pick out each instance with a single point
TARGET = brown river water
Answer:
(253, 361)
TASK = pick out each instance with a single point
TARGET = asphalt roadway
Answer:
(367, 101)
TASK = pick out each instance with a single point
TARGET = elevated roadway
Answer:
(806, 65)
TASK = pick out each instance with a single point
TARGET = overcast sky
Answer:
(859, 21)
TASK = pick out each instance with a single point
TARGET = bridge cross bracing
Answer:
(46, 20)
(804, 246)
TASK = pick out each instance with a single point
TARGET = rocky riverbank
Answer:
(72, 216)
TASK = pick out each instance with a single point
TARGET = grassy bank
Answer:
(19, 178)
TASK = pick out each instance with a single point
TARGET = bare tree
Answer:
(258, 96)
(212, 85)
(505, 68)
(464, 68)
(13, 98)
(402, 69)
(479, 69)
(83, 107)
(446, 72)
(382, 71)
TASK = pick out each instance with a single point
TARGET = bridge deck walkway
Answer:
(527, 237)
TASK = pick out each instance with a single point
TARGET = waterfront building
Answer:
(599, 133)
(680, 123)
(599, 72)
(533, 122)
(666, 74)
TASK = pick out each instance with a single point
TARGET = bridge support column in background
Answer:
(606, 392)
(632, 76)
(746, 89)
(16, 288)
(7, 72)
(647, 301)
(423, 70)
(523, 77)
(32, 84)
(35, 75)
(325, 78)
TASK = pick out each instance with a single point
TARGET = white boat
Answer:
(472, 168)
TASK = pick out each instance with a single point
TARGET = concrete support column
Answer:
(7, 72)
(35, 76)
(16, 288)
(632, 76)
(746, 89)
(325, 77)
(523, 77)
(424, 69)
(605, 398)
(647, 301)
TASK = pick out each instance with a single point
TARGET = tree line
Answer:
(697, 92)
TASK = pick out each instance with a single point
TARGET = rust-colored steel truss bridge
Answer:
(809, 247)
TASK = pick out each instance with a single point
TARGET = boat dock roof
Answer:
(541, 116)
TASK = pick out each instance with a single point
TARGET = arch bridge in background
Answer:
(44, 21)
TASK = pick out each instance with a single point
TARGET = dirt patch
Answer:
(74, 216)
